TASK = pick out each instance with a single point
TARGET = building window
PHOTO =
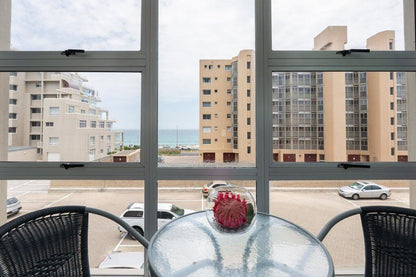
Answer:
(35, 137)
(13, 101)
(71, 109)
(12, 129)
(216, 90)
(38, 85)
(206, 92)
(206, 141)
(228, 140)
(392, 151)
(206, 80)
(391, 91)
(248, 93)
(228, 79)
(206, 104)
(248, 65)
(391, 120)
(210, 67)
(92, 112)
(248, 79)
(206, 116)
(206, 129)
(391, 105)
(248, 107)
(101, 124)
(392, 136)
(229, 128)
(228, 103)
(92, 140)
(391, 75)
(228, 115)
(12, 115)
(35, 110)
(228, 91)
(53, 140)
(36, 97)
(49, 124)
(82, 111)
(93, 124)
(109, 139)
(216, 128)
(248, 121)
(228, 68)
(13, 73)
(13, 87)
(248, 135)
(390, 45)
(35, 123)
(53, 110)
(248, 149)
(109, 125)
(82, 124)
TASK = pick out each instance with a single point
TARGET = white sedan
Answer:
(364, 189)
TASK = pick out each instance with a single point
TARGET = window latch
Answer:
(348, 165)
(72, 52)
(348, 52)
(71, 165)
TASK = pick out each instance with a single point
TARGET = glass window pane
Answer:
(296, 24)
(63, 116)
(59, 25)
(203, 105)
(339, 116)
(114, 196)
(311, 204)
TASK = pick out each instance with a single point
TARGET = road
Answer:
(309, 208)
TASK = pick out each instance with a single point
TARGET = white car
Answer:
(13, 206)
(207, 188)
(364, 189)
(134, 215)
(123, 260)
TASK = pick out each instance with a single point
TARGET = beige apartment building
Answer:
(227, 125)
(316, 116)
(54, 116)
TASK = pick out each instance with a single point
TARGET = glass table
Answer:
(271, 246)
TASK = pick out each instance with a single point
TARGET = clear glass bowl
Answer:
(231, 209)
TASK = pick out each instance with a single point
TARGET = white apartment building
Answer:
(57, 114)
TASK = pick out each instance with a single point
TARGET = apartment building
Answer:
(316, 116)
(227, 125)
(57, 114)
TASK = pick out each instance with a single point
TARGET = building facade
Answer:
(227, 123)
(316, 116)
(57, 114)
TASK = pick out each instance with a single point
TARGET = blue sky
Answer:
(190, 30)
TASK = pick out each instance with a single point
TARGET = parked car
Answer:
(123, 260)
(134, 215)
(364, 189)
(207, 188)
(13, 206)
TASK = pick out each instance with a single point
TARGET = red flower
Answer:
(229, 210)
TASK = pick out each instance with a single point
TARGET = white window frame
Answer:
(145, 61)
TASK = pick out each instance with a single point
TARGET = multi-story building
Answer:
(317, 116)
(227, 125)
(58, 115)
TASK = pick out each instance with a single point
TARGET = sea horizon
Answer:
(166, 137)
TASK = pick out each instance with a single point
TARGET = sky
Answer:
(189, 30)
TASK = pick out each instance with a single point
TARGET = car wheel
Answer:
(383, 196)
(138, 229)
(355, 197)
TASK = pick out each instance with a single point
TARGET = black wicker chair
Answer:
(389, 237)
(51, 242)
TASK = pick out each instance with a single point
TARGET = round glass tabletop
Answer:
(271, 246)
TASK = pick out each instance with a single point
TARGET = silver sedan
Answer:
(364, 189)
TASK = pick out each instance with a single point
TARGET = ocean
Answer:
(167, 138)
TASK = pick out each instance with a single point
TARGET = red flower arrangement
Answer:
(229, 210)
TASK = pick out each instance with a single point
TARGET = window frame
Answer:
(145, 62)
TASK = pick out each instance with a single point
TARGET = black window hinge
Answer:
(348, 165)
(348, 52)
(71, 165)
(72, 52)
